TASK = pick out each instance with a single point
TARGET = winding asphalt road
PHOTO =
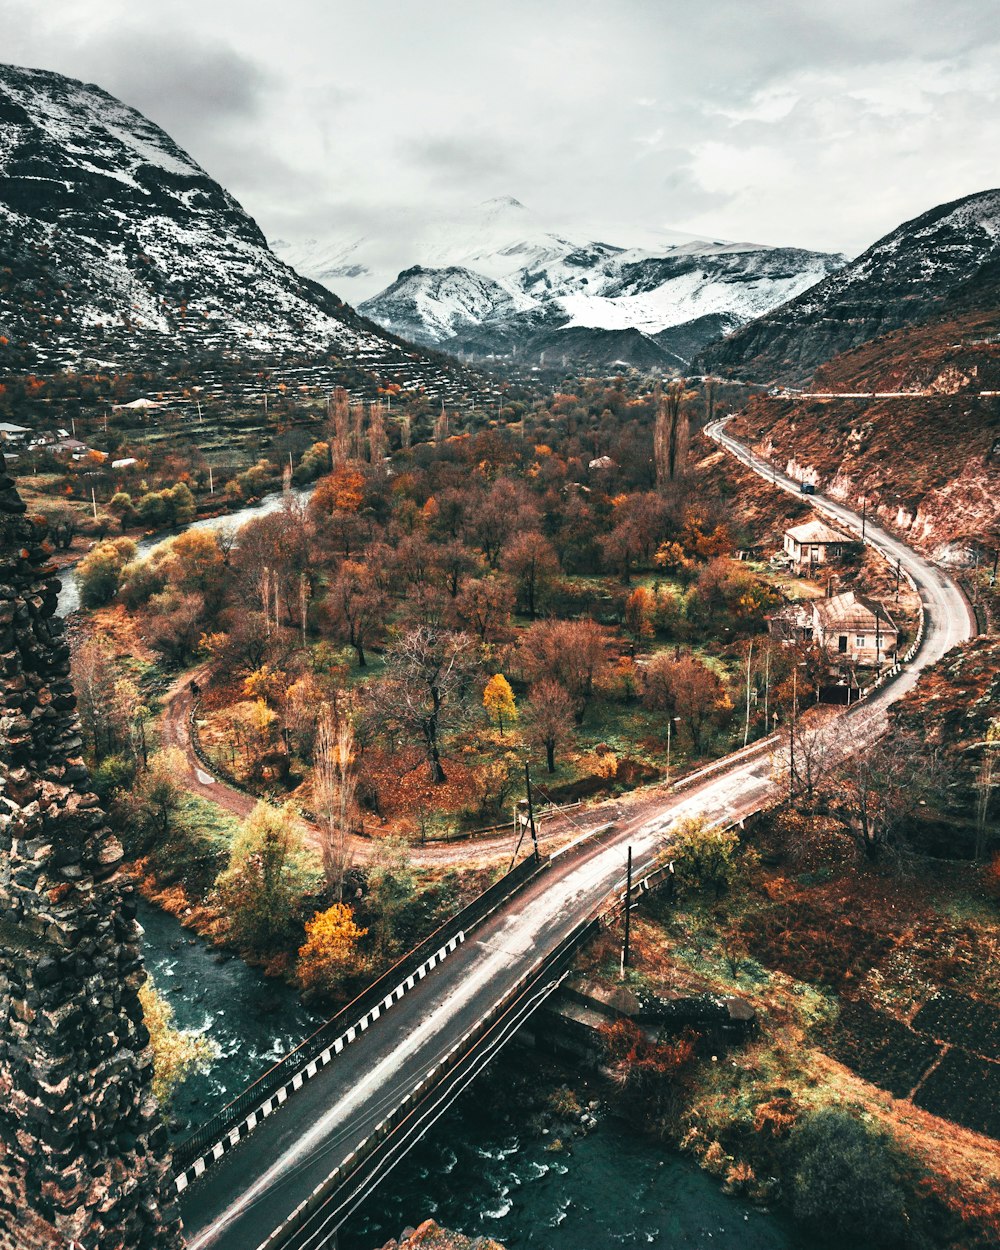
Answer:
(255, 1186)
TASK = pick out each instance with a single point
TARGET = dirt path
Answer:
(175, 731)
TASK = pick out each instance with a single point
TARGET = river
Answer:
(69, 595)
(486, 1168)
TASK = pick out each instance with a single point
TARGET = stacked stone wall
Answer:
(83, 1153)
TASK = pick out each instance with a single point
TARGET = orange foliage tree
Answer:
(330, 952)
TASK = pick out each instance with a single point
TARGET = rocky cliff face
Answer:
(83, 1154)
(910, 275)
(921, 445)
(114, 242)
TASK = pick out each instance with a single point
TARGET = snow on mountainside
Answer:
(113, 238)
(498, 278)
(916, 271)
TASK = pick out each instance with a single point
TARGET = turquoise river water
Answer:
(487, 1168)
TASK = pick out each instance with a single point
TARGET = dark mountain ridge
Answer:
(115, 244)
(938, 260)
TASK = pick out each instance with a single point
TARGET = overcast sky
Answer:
(817, 123)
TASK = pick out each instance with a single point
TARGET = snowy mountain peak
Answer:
(503, 203)
(112, 234)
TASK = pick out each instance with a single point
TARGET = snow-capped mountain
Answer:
(499, 279)
(921, 268)
(113, 239)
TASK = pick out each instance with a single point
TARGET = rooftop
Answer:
(852, 613)
(817, 532)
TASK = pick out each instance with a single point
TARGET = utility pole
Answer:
(670, 722)
(746, 727)
(878, 640)
(864, 519)
(767, 683)
(898, 571)
(93, 500)
(628, 913)
(531, 810)
(211, 481)
(791, 735)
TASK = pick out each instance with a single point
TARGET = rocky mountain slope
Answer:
(500, 281)
(927, 463)
(114, 242)
(922, 269)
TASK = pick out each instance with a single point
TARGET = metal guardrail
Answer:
(254, 1095)
(408, 1114)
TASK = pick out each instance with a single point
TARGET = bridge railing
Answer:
(276, 1077)
(338, 1194)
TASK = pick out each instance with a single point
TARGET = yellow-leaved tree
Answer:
(330, 953)
(498, 700)
(176, 1052)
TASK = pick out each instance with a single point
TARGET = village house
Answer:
(855, 627)
(848, 626)
(10, 433)
(815, 542)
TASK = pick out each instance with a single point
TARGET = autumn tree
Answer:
(329, 955)
(99, 573)
(453, 562)
(688, 689)
(705, 854)
(339, 428)
(571, 653)
(160, 794)
(272, 557)
(622, 547)
(391, 887)
(640, 614)
(497, 515)
(846, 1184)
(427, 689)
(671, 432)
(175, 624)
(498, 700)
(550, 719)
(176, 1052)
(94, 677)
(377, 436)
(881, 788)
(355, 607)
(531, 561)
(193, 562)
(484, 605)
(333, 786)
(987, 779)
(266, 879)
(335, 507)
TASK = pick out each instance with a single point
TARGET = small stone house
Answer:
(815, 542)
(854, 627)
(10, 433)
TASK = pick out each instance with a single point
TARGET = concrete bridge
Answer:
(296, 1155)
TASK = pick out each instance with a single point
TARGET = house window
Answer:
(861, 640)
(842, 644)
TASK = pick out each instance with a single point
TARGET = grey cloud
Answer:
(321, 118)
(471, 156)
